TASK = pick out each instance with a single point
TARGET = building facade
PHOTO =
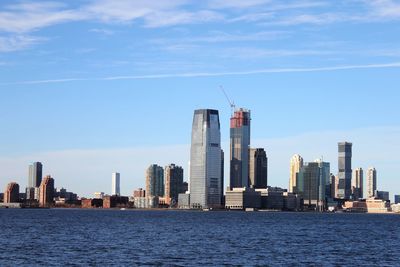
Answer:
(258, 168)
(396, 199)
(140, 192)
(296, 163)
(11, 194)
(345, 170)
(312, 183)
(34, 180)
(371, 182)
(239, 148)
(115, 184)
(173, 183)
(357, 184)
(155, 181)
(46, 194)
(205, 160)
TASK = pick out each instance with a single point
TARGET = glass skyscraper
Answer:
(205, 160)
(155, 181)
(35, 174)
(258, 168)
(239, 151)
(345, 171)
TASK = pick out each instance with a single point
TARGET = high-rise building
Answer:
(345, 171)
(296, 162)
(332, 194)
(115, 184)
(34, 180)
(205, 160)
(396, 199)
(312, 184)
(371, 182)
(258, 168)
(222, 177)
(11, 194)
(239, 150)
(357, 184)
(140, 192)
(46, 191)
(155, 181)
(173, 183)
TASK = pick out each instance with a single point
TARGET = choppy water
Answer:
(112, 237)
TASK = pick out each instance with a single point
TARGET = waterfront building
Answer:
(91, 203)
(276, 198)
(239, 148)
(357, 184)
(383, 195)
(258, 168)
(173, 183)
(222, 178)
(345, 170)
(185, 187)
(312, 182)
(242, 198)
(139, 192)
(115, 184)
(115, 201)
(34, 180)
(11, 194)
(296, 162)
(333, 186)
(46, 192)
(205, 160)
(371, 182)
(370, 205)
(396, 199)
(155, 181)
(150, 202)
(184, 201)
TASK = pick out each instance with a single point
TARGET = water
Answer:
(127, 238)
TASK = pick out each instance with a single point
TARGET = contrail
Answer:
(209, 74)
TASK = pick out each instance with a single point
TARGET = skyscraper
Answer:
(46, 191)
(357, 184)
(34, 180)
(155, 181)
(222, 177)
(345, 171)
(205, 160)
(173, 183)
(312, 182)
(296, 162)
(258, 168)
(239, 150)
(115, 184)
(11, 194)
(371, 182)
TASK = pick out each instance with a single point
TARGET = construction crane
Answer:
(231, 103)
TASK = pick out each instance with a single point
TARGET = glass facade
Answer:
(345, 170)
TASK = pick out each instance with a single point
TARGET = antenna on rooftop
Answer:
(231, 103)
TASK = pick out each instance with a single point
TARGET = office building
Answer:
(396, 199)
(239, 149)
(205, 160)
(345, 170)
(312, 182)
(173, 183)
(11, 194)
(333, 186)
(357, 184)
(296, 162)
(242, 198)
(34, 180)
(258, 168)
(222, 178)
(383, 195)
(115, 184)
(46, 194)
(155, 181)
(371, 182)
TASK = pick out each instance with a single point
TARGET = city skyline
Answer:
(121, 96)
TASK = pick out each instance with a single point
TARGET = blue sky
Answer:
(92, 87)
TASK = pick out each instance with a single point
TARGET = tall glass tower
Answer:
(35, 174)
(205, 160)
(345, 171)
(240, 145)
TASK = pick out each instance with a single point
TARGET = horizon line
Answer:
(209, 74)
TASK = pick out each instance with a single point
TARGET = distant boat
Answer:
(122, 209)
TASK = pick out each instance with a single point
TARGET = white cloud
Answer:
(19, 42)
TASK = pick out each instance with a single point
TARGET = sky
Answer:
(93, 87)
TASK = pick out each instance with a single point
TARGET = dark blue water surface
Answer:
(127, 238)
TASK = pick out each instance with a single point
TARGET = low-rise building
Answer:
(91, 203)
(242, 198)
(370, 205)
(115, 202)
(396, 208)
(383, 195)
(140, 192)
(184, 201)
(150, 202)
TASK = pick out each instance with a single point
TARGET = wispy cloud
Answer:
(102, 31)
(18, 42)
(211, 74)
